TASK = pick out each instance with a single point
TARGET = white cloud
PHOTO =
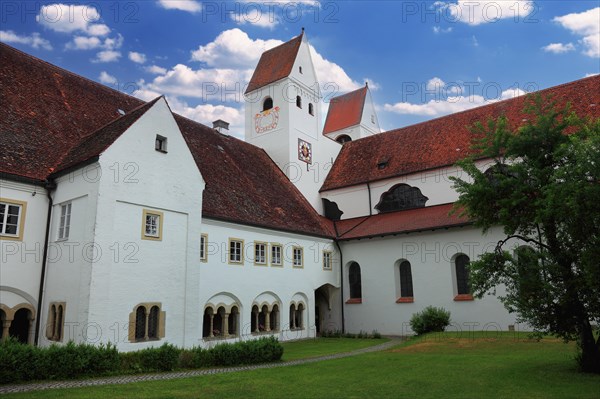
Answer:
(155, 69)
(256, 17)
(107, 56)
(558, 48)
(451, 104)
(67, 18)
(182, 5)
(233, 49)
(35, 40)
(439, 29)
(331, 74)
(136, 57)
(587, 25)
(107, 79)
(93, 42)
(373, 86)
(587, 75)
(485, 11)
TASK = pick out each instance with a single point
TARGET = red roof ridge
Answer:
(275, 64)
(345, 110)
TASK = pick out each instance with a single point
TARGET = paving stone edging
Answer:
(183, 374)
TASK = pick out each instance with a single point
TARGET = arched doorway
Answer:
(19, 328)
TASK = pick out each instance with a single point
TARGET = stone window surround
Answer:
(301, 249)
(161, 322)
(266, 309)
(273, 264)
(56, 321)
(146, 212)
(22, 213)
(458, 297)
(204, 247)
(265, 246)
(297, 309)
(10, 316)
(228, 310)
(229, 253)
(329, 262)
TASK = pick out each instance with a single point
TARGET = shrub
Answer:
(430, 319)
(376, 334)
(163, 358)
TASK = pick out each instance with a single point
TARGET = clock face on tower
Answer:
(266, 120)
(304, 151)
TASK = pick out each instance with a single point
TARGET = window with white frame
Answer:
(152, 222)
(276, 255)
(203, 247)
(298, 257)
(327, 257)
(65, 221)
(236, 251)
(11, 218)
(260, 253)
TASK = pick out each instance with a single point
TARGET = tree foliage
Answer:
(543, 188)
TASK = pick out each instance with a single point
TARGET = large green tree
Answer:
(543, 187)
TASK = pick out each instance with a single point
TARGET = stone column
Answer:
(226, 325)
(256, 319)
(5, 327)
(268, 321)
(212, 316)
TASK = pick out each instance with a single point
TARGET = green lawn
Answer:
(326, 346)
(442, 365)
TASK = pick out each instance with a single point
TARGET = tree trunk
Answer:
(590, 349)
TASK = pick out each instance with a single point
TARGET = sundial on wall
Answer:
(266, 120)
(304, 151)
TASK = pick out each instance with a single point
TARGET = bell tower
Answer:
(283, 116)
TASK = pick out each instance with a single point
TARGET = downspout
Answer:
(49, 185)
(341, 277)
(370, 205)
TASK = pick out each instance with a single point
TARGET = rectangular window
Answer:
(204, 247)
(298, 257)
(236, 251)
(161, 143)
(260, 253)
(65, 221)
(12, 218)
(276, 255)
(327, 257)
(152, 223)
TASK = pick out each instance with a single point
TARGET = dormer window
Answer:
(160, 143)
(298, 102)
(267, 104)
(311, 109)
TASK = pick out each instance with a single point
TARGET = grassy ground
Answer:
(326, 346)
(442, 365)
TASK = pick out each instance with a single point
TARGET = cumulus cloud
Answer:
(34, 40)
(587, 25)
(484, 11)
(136, 57)
(107, 56)
(449, 99)
(156, 70)
(331, 74)
(93, 42)
(256, 17)
(182, 5)
(107, 79)
(558, 48)
(68, 18)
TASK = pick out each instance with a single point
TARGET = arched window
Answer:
(207, 323)
(140, 323)
(406, 284)
(344, 138)
(267, 104)
(233, 321)
(311, 109)
(462, 275)
(354, 281)
(298, 102)
(153, 322)
(400, 197)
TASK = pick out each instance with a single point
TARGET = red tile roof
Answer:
(52, 119)
(345, 110)
(401, 222)
(275, 64)
(45, 110)
(443, 141)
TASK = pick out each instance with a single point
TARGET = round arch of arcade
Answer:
(221, 317)
(265, 313)
(298, 312)
(17, 322)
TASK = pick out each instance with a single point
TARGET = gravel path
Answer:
(183, 374)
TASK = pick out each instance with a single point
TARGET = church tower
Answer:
(351, 116)
(283, 114)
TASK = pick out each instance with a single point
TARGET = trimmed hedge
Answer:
(20, 362)
(430, 319)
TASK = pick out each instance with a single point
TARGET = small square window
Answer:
(298, 257)
(204, 247)
(152, 222)
(65, 221)
(276, 255)
(12, 215)
(327, 260)
(236, 251)
(161, 143)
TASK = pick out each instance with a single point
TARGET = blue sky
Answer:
(422, 59)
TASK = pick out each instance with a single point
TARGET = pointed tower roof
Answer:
(345, 110)
(275, 64)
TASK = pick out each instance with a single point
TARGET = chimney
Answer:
(219, 125)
